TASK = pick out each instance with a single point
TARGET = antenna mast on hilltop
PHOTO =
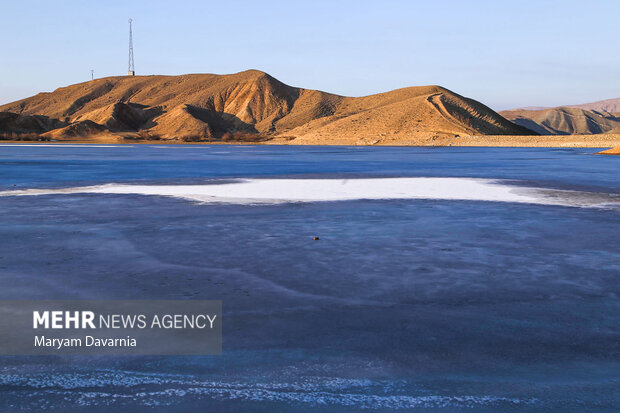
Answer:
(131, 70)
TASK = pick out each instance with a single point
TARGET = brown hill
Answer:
(252, 103)
(563, 120)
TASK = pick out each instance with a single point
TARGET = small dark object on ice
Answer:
(316, 238)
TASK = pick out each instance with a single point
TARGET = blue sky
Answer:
(503, 53)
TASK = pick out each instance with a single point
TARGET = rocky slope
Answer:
(250, 103)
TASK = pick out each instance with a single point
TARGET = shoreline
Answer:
(541, 141)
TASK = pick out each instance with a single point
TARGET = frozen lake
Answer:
(445, 279)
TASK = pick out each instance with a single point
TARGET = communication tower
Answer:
(131, 70)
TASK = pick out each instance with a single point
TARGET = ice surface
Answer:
(265, 191)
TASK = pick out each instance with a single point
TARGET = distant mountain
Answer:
(609, 105)
(250, 103)
(535, 107)
(564, 120)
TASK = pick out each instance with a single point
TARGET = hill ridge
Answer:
(248, 103)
